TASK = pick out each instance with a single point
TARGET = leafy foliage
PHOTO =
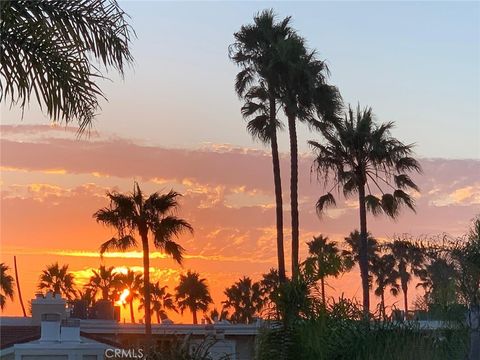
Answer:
(6, 285)
(47, 49)
(192, 293)
(58, 280)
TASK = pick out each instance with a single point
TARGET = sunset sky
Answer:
(174, 122)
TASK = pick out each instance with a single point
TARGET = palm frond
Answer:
(324, 202)
(122, 244)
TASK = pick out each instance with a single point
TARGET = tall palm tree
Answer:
(364, 157)
(58, 280)
(409, 258)
(151, 217)
(192, 293)
(324, 260)
(246, 300)
(303, 93)
(47, 50)
(132, 282)
(104, 281)
(161, 301)
(6, 285)
(383, 268)
(255, 52)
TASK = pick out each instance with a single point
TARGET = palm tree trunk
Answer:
(382, 305)
(132, 316)
(322, 282)
(158, 317)
(363, 255)
(405, 299)
(294, 192)
(194, 313)
(278, 191)
(146, 284)
(18, 286)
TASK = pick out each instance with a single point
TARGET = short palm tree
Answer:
(246, 300)
(104, 281)
(409, 258)
(351, 253)
(364, 159)
(151, 217)
(58, 280)
(324, 260)
(386, 276)
(161, 301)
(192, 293)
(47, 51)
(255, 52)
(132, 282)
(6, 285)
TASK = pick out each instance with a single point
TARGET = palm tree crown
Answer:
(57, 279)
(161, 301)
(47, 50)
(324, 260)
(152, 217)
(362, 158)
(192, 293)
(6, 285)
(409, 259)
(132, 282)
(104, 281)
(383, 267)
(246, 300)
(255, 51)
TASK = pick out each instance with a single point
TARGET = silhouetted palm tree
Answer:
(152, 216)
(364, 159)
(104, 281)
(324, 260)
(161, 301)
(215, 316)
(47, 50)
(351, 253)
(133, 282)
(255, 52)
(386, 276)
(6, 285)
(437, 277)
(246, 300)
(408, 258)
(304, 94)
(58, 280)
(87, 296)
(192, 293)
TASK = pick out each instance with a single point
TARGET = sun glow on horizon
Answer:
(123, 297)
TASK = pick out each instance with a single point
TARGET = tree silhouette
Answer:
(6, 285)
(383, 268)
(363, 159)
(47, 51)
(58, 280)
(245, 298)
(161, 301)
(133, 282)
(104, 281)
(324, 260)
(149, 217)
(192, 293)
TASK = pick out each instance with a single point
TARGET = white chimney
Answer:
(70, 330)
(50, 327)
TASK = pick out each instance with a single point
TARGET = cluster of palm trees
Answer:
(279, 74)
